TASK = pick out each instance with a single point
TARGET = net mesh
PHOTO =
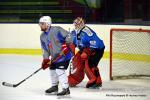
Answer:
(130, 53)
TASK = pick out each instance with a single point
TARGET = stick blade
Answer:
(8, 84)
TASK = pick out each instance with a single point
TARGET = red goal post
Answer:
(129, 53)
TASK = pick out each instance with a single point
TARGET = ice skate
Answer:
(99, 85)
(94, 86)
(52, 90)
(64, 94)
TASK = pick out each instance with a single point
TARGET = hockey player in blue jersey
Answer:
(91, 50)
(55, 43)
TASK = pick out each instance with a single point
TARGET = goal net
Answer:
(129, 53)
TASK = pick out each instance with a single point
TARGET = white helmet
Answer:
(46, 19)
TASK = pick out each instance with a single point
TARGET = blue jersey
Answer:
(86, 37)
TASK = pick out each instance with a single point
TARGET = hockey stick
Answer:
(15, 85)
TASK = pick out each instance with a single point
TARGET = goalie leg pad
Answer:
(73, 80)
(91, 76)
(77, 74)
(95, 70)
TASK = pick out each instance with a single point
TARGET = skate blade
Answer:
(53, 93)
(64, 96)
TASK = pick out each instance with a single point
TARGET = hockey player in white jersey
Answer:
(55, 42)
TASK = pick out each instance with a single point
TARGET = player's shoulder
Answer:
(42, 34)
(56, 27)
(87, 31)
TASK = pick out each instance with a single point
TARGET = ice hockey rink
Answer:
(14, 68)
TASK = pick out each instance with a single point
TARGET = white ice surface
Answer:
(14, 68)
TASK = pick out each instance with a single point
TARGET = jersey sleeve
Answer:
(66, 35)
(74, 37)
(45, 49)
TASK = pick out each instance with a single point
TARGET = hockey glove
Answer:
(89, 51)
(84, 56)
(45, 63)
